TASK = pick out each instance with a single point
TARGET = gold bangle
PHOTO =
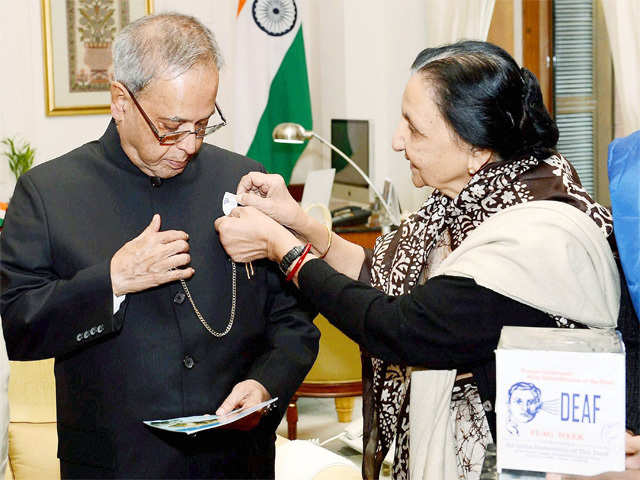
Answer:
(328, 243)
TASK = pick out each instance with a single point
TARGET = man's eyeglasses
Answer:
(172, 138)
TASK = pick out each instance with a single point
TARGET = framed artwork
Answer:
(77, 38)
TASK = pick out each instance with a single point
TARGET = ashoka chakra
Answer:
(275, 17)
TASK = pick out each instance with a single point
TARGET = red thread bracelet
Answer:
(298, 264)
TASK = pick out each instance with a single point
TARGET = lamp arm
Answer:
(364, 175)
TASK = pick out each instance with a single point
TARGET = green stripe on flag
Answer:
(289, 101)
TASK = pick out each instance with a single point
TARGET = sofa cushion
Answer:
(32, 451)
(8, 473)
(32, 391)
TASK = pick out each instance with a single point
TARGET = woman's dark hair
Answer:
(488, 100)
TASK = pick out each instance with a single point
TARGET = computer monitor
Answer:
(352, 138)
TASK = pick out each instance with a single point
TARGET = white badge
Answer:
(229, 202)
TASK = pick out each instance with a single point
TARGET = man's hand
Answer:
(245, 394)
(268, 193)
(247, 234)
(151, 259)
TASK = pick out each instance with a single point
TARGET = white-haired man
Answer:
(111, 264)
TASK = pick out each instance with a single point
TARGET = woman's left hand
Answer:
(248, 234)
(632, 449)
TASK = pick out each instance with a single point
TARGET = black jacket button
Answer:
(188, 361)
(179, 298)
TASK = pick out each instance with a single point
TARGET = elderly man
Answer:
(110, 263)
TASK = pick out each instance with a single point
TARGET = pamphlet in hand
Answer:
(191, 425)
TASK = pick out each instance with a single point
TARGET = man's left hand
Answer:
(245, 394)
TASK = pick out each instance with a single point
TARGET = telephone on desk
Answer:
(349, 215)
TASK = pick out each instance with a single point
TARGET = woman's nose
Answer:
(397, 141)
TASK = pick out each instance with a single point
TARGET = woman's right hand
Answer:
(268, 193)
(247, 234)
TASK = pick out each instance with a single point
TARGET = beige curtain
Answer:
(452, 20)
(622, 18)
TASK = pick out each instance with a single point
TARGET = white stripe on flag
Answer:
(258, 58)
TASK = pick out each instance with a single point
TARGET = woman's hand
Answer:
(268, 193)
(247, 234)
(632, 449)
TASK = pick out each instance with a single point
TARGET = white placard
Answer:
(560, 411)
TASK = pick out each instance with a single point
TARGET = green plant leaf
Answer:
(20, 157)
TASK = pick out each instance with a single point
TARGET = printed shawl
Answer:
(400, 257)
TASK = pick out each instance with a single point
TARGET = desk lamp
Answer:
(295, 133)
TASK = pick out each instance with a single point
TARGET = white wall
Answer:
(22, 103)
(358, 56)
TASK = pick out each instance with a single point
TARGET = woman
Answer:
(473, 127)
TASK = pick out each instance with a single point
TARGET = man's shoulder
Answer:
(61, 167)
(230, 160)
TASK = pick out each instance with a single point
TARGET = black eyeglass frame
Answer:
(179, 135)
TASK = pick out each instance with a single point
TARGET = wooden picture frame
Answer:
(77, 37)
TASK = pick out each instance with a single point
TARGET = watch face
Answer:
(288, 259)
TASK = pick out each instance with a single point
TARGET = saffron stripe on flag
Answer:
(240, 5)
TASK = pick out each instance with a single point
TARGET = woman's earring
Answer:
(472, 171)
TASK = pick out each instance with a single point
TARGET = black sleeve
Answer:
(629, 328)
(291, 338)
(44, 315)
(365, 270)
(449, 322)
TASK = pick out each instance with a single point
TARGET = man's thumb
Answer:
(154, 226)
(229, 404)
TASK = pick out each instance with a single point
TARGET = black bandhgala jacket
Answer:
(153, 359)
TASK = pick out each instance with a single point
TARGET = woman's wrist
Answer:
(296, 277)
(301, 222)
(280, 243)
(300, 253)
(314, 232)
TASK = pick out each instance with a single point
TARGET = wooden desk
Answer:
(334, 344)
(365, 237)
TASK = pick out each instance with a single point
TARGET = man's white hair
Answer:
(163, 45)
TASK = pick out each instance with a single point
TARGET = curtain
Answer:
(452, 20)
(622, 17)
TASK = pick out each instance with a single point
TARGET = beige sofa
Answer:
(33, 438)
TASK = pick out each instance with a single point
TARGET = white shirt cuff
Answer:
(117, 301)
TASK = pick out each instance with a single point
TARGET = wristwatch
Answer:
(290, 257)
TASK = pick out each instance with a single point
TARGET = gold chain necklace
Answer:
(232, 314)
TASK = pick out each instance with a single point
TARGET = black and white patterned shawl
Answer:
(400, 257)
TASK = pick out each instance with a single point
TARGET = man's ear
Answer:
(119, 101)
(479, 158)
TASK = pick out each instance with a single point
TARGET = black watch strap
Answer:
(290, 257)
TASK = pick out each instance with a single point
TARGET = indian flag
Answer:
(271, 81)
